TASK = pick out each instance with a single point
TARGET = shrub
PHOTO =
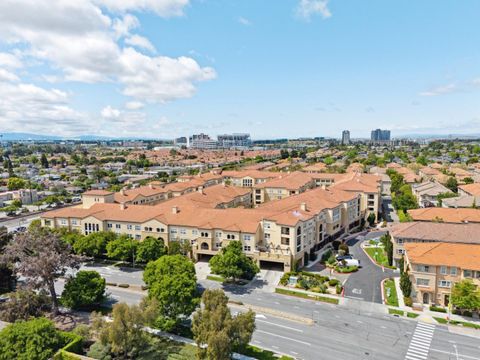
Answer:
(87, 288)
(333, 282)
(111, 284)
(346, 269)
(326, 256)
(123, 285)
(437, 309)
(408, 301)
(338, 289)
(331, 260)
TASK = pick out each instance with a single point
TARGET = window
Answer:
(453, 271)
(138, 227)
(443, 270)
(194, 232)
(467, 273)
(129, 227)
(118, 226)
(399, 241)
(63, 222)
(218, 234)
(247, 248)
(444, 284)
(109, 225)
(247, 237)
(423, 268)
(74, 222)
(267, 236)
(231, 237)
(285, 241)
(401, 251)
(422, 282)
(183, 231)
(138, 237)
(285, 231)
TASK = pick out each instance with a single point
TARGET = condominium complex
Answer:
(287, 226)
(435, 267)
(432, 232)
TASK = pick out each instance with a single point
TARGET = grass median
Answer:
(306, 296)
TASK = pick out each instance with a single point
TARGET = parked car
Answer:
(349, 262)
(343, 257)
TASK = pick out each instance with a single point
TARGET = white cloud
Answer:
(110, 113)
(244, 21)
(25, 105)
(6, 75)
(160, 79)
(10, 60)
(134, 105)
(307, 8)
(140, 42)
(440, 90)
(165, 8)
(82, 42)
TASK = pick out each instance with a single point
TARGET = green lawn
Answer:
(395, 312)
(261, 354)
(412, 315)
(378, 255)
(215, 278)
(459, 323)
(391, 300)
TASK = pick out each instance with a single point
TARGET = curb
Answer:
(382, 286)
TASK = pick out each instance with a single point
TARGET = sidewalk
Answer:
(401, 301)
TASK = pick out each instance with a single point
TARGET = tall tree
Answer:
(452, 184)
(122, 248)
(41, 257)
(173, 284)
(406, 284)
(7, 279)
(150, 249)
(44, 161)
(232, 263)
(218, 333)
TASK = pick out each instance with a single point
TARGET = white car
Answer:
(349, 262)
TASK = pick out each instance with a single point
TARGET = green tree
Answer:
(452, 184)
(466, 295)
(468, 180)
(122, 248)
(23, 305)
(328, 160)
(173, 284)
(406, 284)
(174, 248)
(386, 240)
(44, 161)
(371, 219)
(7, 278)
(124, 335)
(150, 249)
(35, 339)
(85, 289)
(94, 244)
(15, 183)
(232, 263)
(216, 332)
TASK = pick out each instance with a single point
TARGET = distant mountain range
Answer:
(17, 136)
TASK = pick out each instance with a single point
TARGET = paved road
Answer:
(338, 332)
(365, 283)
(388, 211)
(12, 224)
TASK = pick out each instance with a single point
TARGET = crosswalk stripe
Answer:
(420, 342)
(409, 357)
(423, 352)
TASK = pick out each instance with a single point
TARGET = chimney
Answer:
(200, 190)
(175, 210)
(303, 206)
(123, 206)
(150, 185)
(122, 192)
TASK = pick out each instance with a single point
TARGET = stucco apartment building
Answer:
(283, 186)
(446, 215)
(432, 232)
(435, 267)
(427, 193)
(280, 233)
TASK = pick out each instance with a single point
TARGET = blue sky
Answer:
(289, 68)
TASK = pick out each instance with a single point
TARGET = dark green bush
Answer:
(333, 282)
(437, 309)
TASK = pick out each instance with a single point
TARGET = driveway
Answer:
(365, 283)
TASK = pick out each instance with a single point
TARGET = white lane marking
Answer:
(279, 325)
(284, 337)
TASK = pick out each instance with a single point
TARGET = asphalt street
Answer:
(14, 223)
(338, 332)
(365, 283)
